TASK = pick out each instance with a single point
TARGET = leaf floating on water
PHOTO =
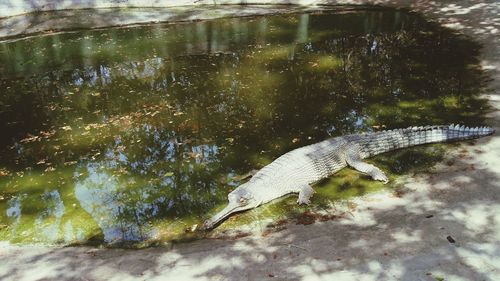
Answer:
(168, 174)
(47, 134)
(93, 157)
(67, 128)
(50, 169)
(195, 155)
(30, 138)
(4, 172)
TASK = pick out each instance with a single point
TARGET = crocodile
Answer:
(297, 170)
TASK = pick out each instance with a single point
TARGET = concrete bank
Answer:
(16, 7)
(445, 226)
(10, 8)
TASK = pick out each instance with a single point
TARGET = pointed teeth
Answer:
(451, 126)
(456, 127)
(462, 128)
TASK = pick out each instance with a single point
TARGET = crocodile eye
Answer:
(243, 200)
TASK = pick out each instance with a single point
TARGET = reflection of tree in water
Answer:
(47, 220)
(158, 120)
(162, 177)
(101, 196)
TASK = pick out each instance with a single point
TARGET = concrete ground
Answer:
(446, 226)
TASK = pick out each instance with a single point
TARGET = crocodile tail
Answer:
(380, 142)
(457, 132)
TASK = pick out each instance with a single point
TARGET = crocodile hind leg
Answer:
(305, 194)
(357, 163)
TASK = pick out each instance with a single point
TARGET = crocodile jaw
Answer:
(230, 209)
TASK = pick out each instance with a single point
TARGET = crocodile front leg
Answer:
(305, 194)
(355, 161)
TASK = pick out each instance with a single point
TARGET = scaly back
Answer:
(375, 143)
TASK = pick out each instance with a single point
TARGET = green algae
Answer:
(133, 136)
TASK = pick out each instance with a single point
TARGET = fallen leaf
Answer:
(450, 239)
(50, 169)
(4, 172)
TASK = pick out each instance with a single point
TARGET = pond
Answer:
(134, 135)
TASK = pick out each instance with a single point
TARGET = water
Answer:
(134, 135)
